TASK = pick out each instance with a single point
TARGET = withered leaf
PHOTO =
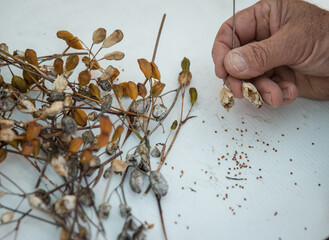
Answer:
(133, 90)
(36, 147)
(58, 66)
(32, 131)
(31, 57)
(114, 38)
(3, 154)
(75, 144)
(116, 55)
(106, 125)
(99, 35)
(142, 91)
(80, 117)
(70, 39)
(145, 67)
(86, 156)
(19, 83)
(119, 165)
(27, 148)
(117, 133)
(94, 91)
(84, 78)
(155, 71)
(102, 139)
(157, 88)
(185, 65)
(71, 62)
(118, 90)
(125, 88)
(28, 76)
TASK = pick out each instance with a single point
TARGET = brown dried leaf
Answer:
(118, 90)
(36, 147)
(86, 156)
(133, 90)
(184, 78)
(32, 131)
(71, 62)
(142, 91)
(102, 139)
(31, 57)
(99, 35)
(94, 91)
(80, 117)
(119, 165)
(58, 66)
(84, 78)
(19, 83)
(125, 88)
(3, 154)
(117, 133)
(27, 148)
(157, 88)
(145, 67)
(70, 39)
(75, 144)
(155, 71)
(115, 74)
(114, 38)
(106, 125)
(116, 55)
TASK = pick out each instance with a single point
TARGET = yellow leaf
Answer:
(71, 62)
(155, 71)
(75, 144)
(84, 78)
(36, 147)
(142, 91)
(102, 139)
(70, 39)
(106, 125)
(117, 133)
(58, 66)
(80, 117)
(133, 90)
(94, 91)
(145, 67)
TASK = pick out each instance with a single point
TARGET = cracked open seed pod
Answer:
(69, 126)
(155, 152)
(59, 165)
(125, 210)
(136, 180)
(159, 184)
(159, 111)
(251, 93)
(141, 106)
(226, 98)
(104, 210)
(65, 205)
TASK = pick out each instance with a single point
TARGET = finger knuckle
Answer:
(259, 55)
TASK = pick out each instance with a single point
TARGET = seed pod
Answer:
(105, 85)
(130, 225)
(80, 117)
(18, 54)
(143, 165)
(108, 172)
(92, 65)
(87, 197)
(65, 204)
(109, 71)
(27, 148)
(60, 84)
(58, 66)
(142, 91)
(116, 55)
(84, 78)
(251, 93)
(42, 194)
(19, 83)
(159, 184)
(145, 67)
(84, 90)
(32, 131)
(136, 180)
(31, 57)
(114, 38)
(7, 135)
(54, 96)
(184, 78)
(86, 156)
(99, 35)
(174, 125)
(226, 98)
(93, 116)
(4, 123)
(106, 125)
(118, 165)
(159, 112)
(7, 104)
(88, 137)
(36, 203)
(104, 210)
(71, 62)
(3, 47)
(69, 126)
(59, 165)
(157, 89)
(94, 91)
(142, 149)
(185, 64)
(73, 166)
(141, 106)
(102, 139)
(193, 95)
(106, 103)
(70, 39)
(155, 152)
(49, 70)
(155, 71)
(124, 210)
(118, 90)
(68, 100)
(54, 109)
(131, 160)
(7, 217)
(26, 106)
(75, 144)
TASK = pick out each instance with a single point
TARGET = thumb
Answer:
(254, 59)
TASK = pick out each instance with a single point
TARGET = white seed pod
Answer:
(92, 116)
(142, 149)
(36, 203)
(108, 73)
(4, 123)
(19, 54)
(26, 106)
(60, 166)
(68, 100)
(49, 70)
(7, 135)
(112, 147)
(104, 210)
(116, 55)
(7, 217)
(114, 38)
(124, 210)
(66, 204)
(158, 183)
(136, 180)
(60, 83)
(141, 106)
(94, 162)
(250, 92)
(159, 111)
(108, 172)
(155, 152)
(54, 109)
(226, 98)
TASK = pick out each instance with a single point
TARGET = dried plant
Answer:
(64, 111)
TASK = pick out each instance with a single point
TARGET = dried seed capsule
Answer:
(159, 111)
(226, 98)
(84, 90)
(69, 126)
(141, 106)
(87, 197)
(49, 70)
(112, 147)
(158, 183)
(124, 235)
(54, 96)
(65, 205)
(73, 166)
(130, 225)
(106, 103)
(136, 180)
(143, 165)
(142, 149)
(125, 210)
(92, 116)
(36, 203)
(83, 233)
(139, 234)
(131, 160)
(99, 35)
(60, 84)
(105, 85)
(59, 165)
(155, 152)
(104, 210)
(7, 217)
(95, 161)
(42, 194)
(88, 137)
(7, 104)
(251, 93)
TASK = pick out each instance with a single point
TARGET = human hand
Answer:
(282, 48)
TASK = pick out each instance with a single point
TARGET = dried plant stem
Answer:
(161, 216)
(158, 37)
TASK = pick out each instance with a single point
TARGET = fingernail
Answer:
(268, 98)
(286, 94)
(238, 62)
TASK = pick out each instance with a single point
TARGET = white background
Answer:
(189, 30)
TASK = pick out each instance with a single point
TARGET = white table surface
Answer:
(189, 30)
